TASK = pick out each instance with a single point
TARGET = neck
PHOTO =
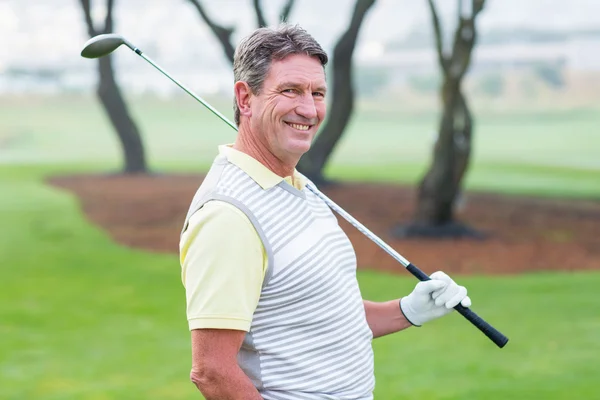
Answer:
(251, 145)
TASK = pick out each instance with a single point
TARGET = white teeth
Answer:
(300, 127)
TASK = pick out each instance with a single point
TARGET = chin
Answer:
(299, 147)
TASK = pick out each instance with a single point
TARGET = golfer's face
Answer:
(291, 106)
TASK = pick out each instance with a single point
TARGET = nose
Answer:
(306, 108)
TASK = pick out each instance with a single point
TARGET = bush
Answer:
(425, 84)
(550, 74)
(491, 84)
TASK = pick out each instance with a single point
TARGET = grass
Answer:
(551, 154)
(508, 178)
(549, 355)
(85, 318)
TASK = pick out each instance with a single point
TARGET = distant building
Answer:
(578, 54)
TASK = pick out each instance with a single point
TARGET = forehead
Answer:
(297, 68)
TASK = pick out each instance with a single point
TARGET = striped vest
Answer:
(309, 338)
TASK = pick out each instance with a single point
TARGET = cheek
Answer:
(283, 107)
(321, 108)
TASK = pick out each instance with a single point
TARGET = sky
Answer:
(51, 33)
(54, 26)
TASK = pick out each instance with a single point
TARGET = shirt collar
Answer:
(257, 171)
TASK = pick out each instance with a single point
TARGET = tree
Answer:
(441, 185)
(112, 100)
(342, 98)
(223, 34)
(342, 93)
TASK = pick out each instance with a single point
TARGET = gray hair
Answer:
(254, 54)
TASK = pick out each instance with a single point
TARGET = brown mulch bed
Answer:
(525, 234)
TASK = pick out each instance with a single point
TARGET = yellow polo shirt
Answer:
(222, 257)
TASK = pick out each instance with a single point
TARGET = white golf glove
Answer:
(433, 299)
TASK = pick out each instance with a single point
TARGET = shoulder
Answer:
(219, 225)
(217, 215)
(218, 210)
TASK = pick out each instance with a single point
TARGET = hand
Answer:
(433, 299)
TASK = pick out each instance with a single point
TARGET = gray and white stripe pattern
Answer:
(309, 338)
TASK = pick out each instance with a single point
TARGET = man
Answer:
(273, 304)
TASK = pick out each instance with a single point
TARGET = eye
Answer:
(289, 91)
(318, 94)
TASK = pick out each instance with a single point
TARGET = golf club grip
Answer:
(492, 333)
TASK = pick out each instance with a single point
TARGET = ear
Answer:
(243, 95)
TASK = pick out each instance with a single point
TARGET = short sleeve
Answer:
(223, 265)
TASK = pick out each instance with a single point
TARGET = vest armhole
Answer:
(268, 249)
(201, 197)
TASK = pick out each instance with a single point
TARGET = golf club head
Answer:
(101, 45)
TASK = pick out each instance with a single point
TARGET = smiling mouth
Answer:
(300, 127)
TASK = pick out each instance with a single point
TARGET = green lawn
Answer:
(553, 153)
(84, 318)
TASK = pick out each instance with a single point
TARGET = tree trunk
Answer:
(342, 102)
(439, 190)
(260, 16)
(116, 109)
(112, 100)
(463, 123)
(284, 15)
(436, 190)
(441, 185)
(312, 163)
(222, 33)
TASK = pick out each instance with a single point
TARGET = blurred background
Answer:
(464, 133)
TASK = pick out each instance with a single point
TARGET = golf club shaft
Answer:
(204, 103)
(493, 334)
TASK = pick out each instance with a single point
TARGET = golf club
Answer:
(105, 44)
(102, 45)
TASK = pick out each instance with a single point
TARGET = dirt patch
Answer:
(525, 233)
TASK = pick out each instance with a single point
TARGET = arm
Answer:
(385, 318)
(215, 370)
(429, 300)
(223, 264)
